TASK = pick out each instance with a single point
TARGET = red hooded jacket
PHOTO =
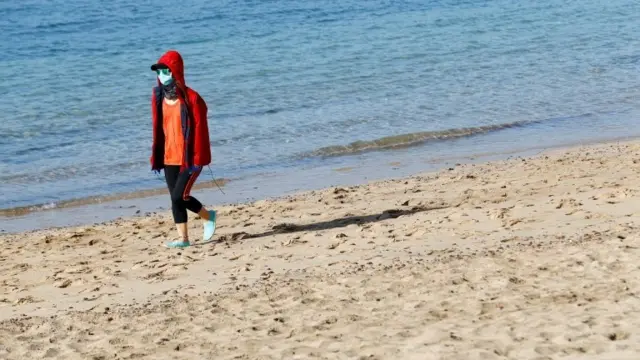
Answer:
(193, 111)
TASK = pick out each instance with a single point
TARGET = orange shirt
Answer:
(173, 138)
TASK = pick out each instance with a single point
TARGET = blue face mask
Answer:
(165, 77)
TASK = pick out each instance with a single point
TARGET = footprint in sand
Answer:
(568, 203)
(63, 283)
(499, 213)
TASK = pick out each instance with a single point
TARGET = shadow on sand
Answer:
(331, 224)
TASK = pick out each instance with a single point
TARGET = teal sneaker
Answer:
(209, 226)
(177, 244)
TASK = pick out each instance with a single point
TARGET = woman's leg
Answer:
(180, 184)
(185, 182)
(182, 191)
(178, 206)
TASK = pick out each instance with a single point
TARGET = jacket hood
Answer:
(173, 60)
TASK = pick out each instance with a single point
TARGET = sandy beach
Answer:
(527, 258)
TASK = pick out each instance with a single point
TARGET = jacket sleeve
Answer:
(201, 146)
(154, 136)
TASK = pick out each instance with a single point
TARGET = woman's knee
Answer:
(177, 200)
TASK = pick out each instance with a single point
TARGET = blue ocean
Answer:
(294, 86)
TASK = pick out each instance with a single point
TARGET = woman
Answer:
(180, 143)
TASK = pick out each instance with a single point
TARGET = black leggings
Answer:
(180, 184)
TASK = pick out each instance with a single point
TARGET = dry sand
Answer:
(521, 259)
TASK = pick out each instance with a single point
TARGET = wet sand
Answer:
(532, 258)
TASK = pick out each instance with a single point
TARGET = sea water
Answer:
(294, 86)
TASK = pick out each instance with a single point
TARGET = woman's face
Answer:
(164, 75)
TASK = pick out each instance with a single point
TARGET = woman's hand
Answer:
(194, 168)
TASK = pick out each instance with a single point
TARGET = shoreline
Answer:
(9, 213)
(540, 253)
(395, 164)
